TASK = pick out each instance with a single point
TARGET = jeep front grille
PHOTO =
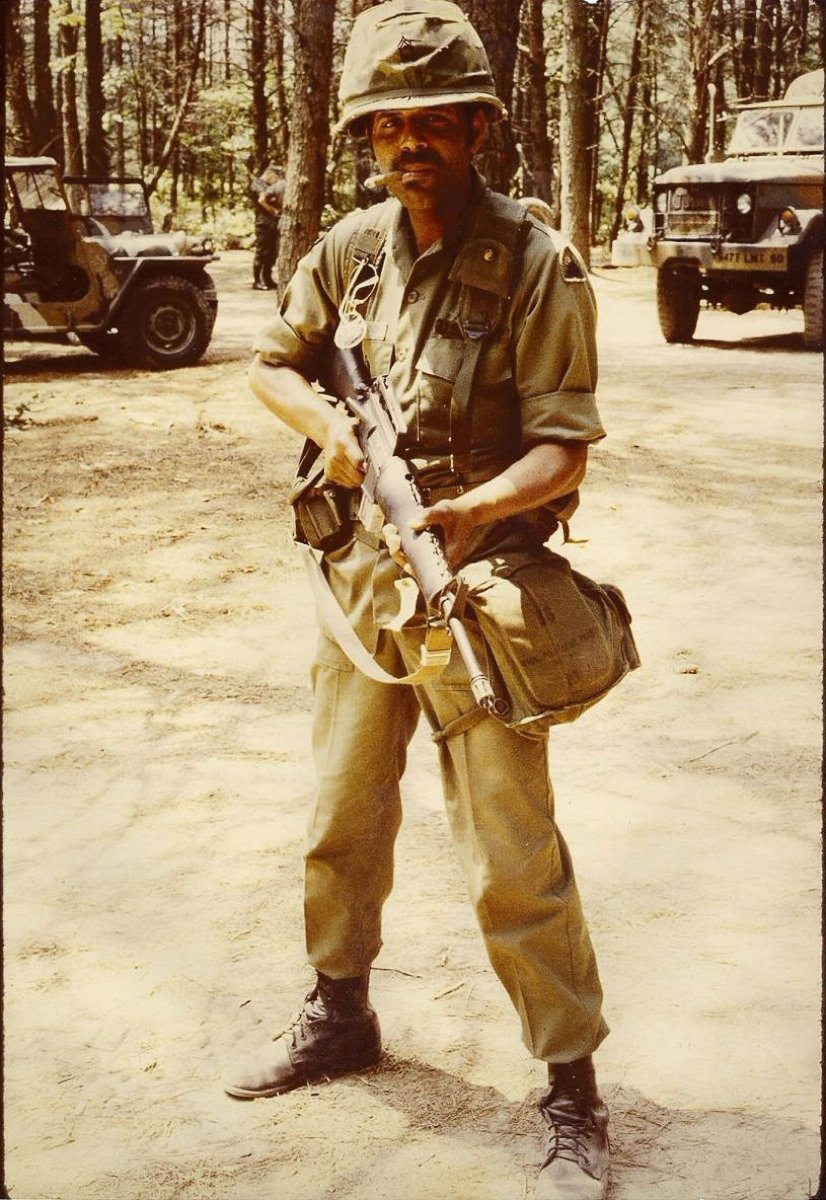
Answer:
(703, 213)
(692, 213)
(692, 224)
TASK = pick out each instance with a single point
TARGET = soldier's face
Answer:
(430, 148)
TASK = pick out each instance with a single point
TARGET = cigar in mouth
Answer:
(376, 182)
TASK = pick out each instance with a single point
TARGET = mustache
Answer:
(408, 159)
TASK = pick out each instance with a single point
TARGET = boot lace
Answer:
(296, 1027)
(569, 1130)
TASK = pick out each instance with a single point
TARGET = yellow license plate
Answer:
(756, 258)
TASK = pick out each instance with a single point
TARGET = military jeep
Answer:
(747, 230)
(82, 262)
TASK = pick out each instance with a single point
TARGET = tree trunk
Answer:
(497, 23)
(68, 40)
(17, 93)
(116, 58)
(97, 159)
(763, 51)
(745, 84)
(138, 67)
(47, 138)
(537, 148)
(798, 38)
(575, 130)
(629, 110)
(280, 132)
(183, 105)
(309, 135)
(258, 83)
(595, 60)
(646, 113)
(700, 37)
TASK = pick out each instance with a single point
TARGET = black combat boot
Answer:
(576, 1152)
(336, 1032)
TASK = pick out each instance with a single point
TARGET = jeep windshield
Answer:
(119, 204)
(37, 189)
(784, 129)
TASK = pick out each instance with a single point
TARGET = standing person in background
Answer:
(267, 194)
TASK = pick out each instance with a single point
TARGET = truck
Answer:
(83, 263)
(746, 230)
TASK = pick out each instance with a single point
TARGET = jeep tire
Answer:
(166, 323)
(813, 301)
(678, 302)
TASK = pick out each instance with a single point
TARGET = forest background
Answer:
(196, 95)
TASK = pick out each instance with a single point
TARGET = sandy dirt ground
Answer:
(158, 630)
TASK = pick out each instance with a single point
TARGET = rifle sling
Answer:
(435, 651)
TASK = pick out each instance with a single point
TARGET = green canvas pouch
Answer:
(557, 642)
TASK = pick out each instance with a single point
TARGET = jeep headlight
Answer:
(744, 203)
(662, 202)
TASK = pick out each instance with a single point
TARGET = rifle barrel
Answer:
(480, 685)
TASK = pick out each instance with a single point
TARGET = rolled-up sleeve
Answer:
(555, 359)
(300, 335)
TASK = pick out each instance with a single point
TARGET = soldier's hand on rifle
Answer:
(343, 460)
(393, 542)
(456, 525)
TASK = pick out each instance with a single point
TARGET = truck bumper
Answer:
(764, 260)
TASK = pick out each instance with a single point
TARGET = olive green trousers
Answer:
(501, 814)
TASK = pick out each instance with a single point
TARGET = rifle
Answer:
(390, 482)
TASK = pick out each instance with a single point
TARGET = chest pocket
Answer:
(494, 414)
(437, 368)
(378, 351)
(441, 359)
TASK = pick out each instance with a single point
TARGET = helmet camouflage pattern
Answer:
(413, 54)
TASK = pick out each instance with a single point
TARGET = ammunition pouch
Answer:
(322, 510)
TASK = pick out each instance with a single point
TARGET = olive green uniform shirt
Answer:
(534, 382)
(537, 371)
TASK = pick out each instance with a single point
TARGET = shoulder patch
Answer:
(572, 269)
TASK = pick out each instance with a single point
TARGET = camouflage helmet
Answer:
(413, 54)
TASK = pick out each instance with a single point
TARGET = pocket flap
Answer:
(441, 357)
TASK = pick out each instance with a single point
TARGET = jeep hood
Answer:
(150, 245)
(770, 169)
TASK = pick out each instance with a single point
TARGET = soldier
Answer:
(483, 320)
(267, 194)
